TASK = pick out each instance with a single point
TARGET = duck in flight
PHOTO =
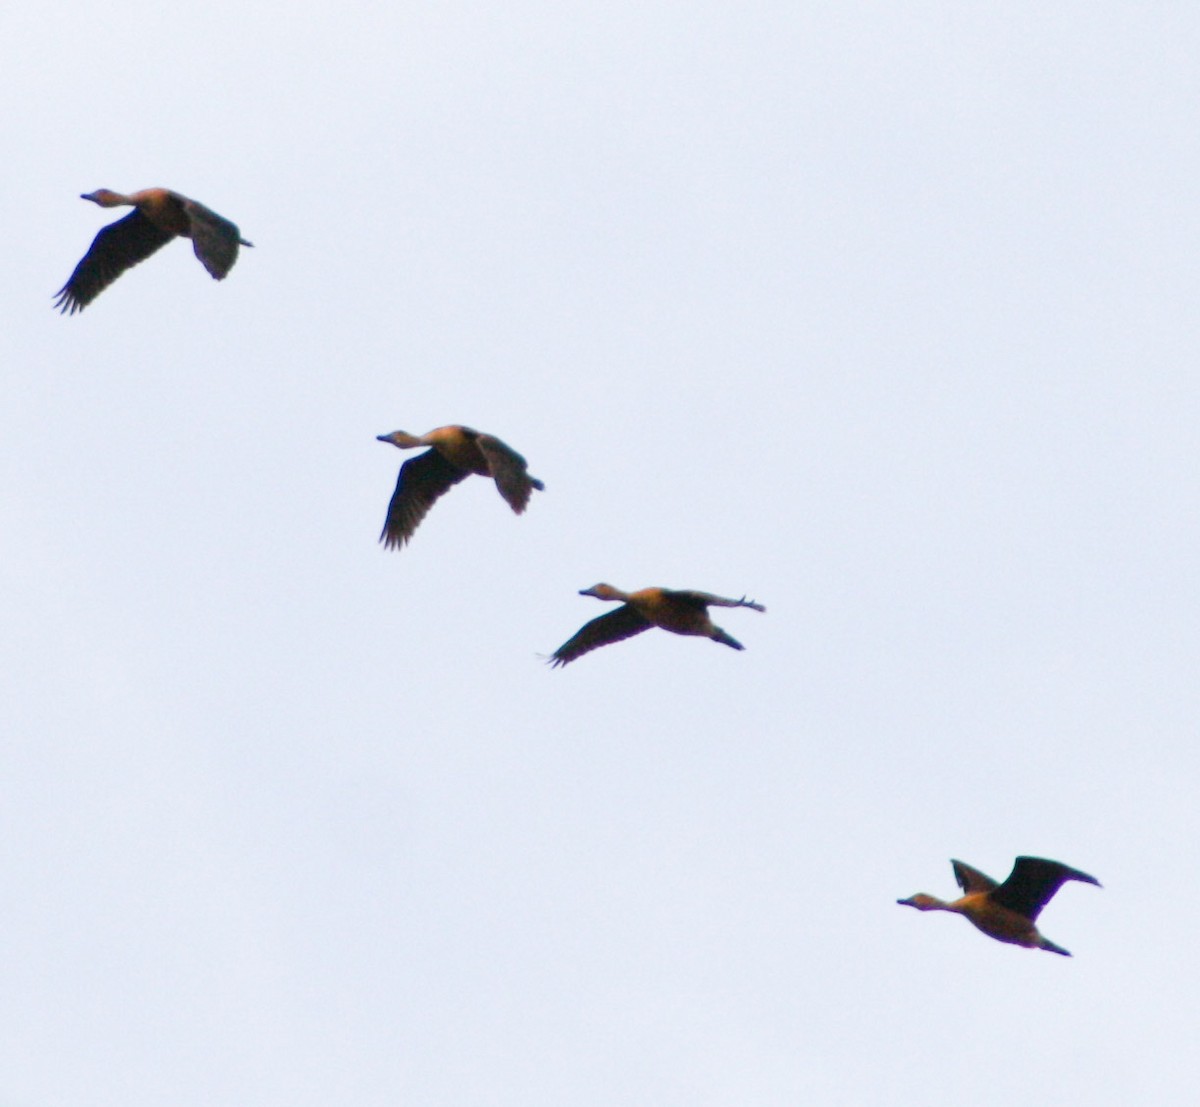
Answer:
(456, 453)
(680, 612)
(158, 216)
(1007, 912)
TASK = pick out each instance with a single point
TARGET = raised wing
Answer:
(615, 626)
(1032, 884)
(707, 599)
(119, 246)
(422, 480)
(972, 880)
(214, 238)
(508, 469)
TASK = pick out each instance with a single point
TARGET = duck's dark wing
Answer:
(707, 599)
(972, 880)
(1032, 884)
(214, 238)
(508, 469)
(422, 480)
(117, 247)
(623, 623)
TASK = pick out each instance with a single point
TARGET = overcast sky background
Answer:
(884, 316)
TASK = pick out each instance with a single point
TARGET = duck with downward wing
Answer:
(681, 612)
(456, 453)
(158, 216)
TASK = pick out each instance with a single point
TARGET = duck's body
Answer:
(158, 216)
(456, 453)
(1007, 912)
(681, 612)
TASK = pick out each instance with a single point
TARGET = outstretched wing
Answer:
(1032, 884)
(707, 599)
(972, 880)
(214, 238)
(119, 246)
(421, 481)
(615, 626)
(508, 469)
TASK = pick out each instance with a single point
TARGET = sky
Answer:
(882, 315)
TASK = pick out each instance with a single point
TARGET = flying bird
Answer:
(158, 216)
(1008, 911)
(457, 453)
(680, 612)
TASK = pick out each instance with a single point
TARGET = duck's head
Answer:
(401, 439)
(603, 592)
(105, 197)
(921, 902)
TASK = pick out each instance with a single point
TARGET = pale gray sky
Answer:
(885, 316)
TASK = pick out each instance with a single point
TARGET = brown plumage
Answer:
(1008, 911)
(681, 612)
(457, 453)
(158, 216)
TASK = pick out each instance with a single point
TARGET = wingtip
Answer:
(393, 541)
(65, 303)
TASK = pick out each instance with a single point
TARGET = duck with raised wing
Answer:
(681, 612)
(158, 216)
(1007, 912)
(456, 453)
